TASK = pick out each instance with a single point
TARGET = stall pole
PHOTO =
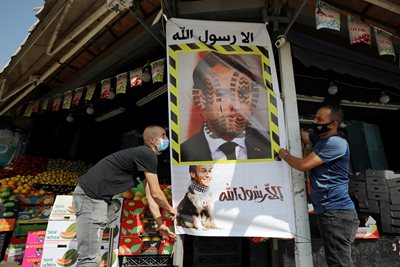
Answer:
(302, 248)
(177, 259)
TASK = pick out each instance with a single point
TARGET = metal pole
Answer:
(110, 247)
(161, 42)
(302, 249)
(178, 251)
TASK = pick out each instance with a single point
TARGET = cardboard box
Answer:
(370, 232)
(67, 255)
(34, 249)
(378, 196)
(64, 232)
(61, 232)
(63, 209)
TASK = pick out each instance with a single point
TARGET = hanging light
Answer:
(146, 75)
(384, 99)
(69, 118)
(90, 109)
(332, 88)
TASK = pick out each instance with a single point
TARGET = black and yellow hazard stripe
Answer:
(174, 50)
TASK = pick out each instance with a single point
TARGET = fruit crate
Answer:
(146, 261)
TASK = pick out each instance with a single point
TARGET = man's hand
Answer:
(173, 213)
(166, 233)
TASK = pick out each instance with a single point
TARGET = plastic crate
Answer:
(143, 261)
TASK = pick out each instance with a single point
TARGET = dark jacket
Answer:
(196, 147)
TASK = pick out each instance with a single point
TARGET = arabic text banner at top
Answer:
(226, 128)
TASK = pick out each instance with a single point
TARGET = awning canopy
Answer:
(327, 56)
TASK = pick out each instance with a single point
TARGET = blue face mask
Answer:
(162, 145)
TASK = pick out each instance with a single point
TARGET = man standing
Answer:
(225, 92)
(113, 175)
(329, 171)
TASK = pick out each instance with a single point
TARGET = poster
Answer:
(77, 96)
(67, 100)
(383, 42)
(326, 16)
(90, 91)
(121, 83)
(226, 126)
(359, 31)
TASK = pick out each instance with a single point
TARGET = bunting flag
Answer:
(45, 103)
(90, 91)
(384, 42)
(136, 77)
(77, 96)
(326, 16)
(67, 100)
(105, 88)
(35, 107)
(56, 103)
(246, 190)
(28, 110)
(359, 31)
(121, 83)
(157, 70)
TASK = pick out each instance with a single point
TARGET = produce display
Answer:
(29, 186)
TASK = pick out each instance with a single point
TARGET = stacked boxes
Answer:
(378, 191)
(139, 235)
(60, 245)
(34, 249)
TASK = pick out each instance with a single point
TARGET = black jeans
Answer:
(338, 229)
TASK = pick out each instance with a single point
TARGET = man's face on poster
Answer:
(227, 101)
(203, 175)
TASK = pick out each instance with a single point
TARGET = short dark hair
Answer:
(211, 59)
(337, 113)
(192, 168)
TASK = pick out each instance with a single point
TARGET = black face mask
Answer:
(321, 128)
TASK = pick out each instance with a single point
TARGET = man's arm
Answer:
(155, 211)
(308, 163)
(157, 194)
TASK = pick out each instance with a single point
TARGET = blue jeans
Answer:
(338, 229)
(93, 216)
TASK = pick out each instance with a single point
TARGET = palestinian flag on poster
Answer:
(359, 31)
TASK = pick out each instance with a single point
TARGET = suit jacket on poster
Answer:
(196, 148)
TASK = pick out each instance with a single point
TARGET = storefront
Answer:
(112, 43)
